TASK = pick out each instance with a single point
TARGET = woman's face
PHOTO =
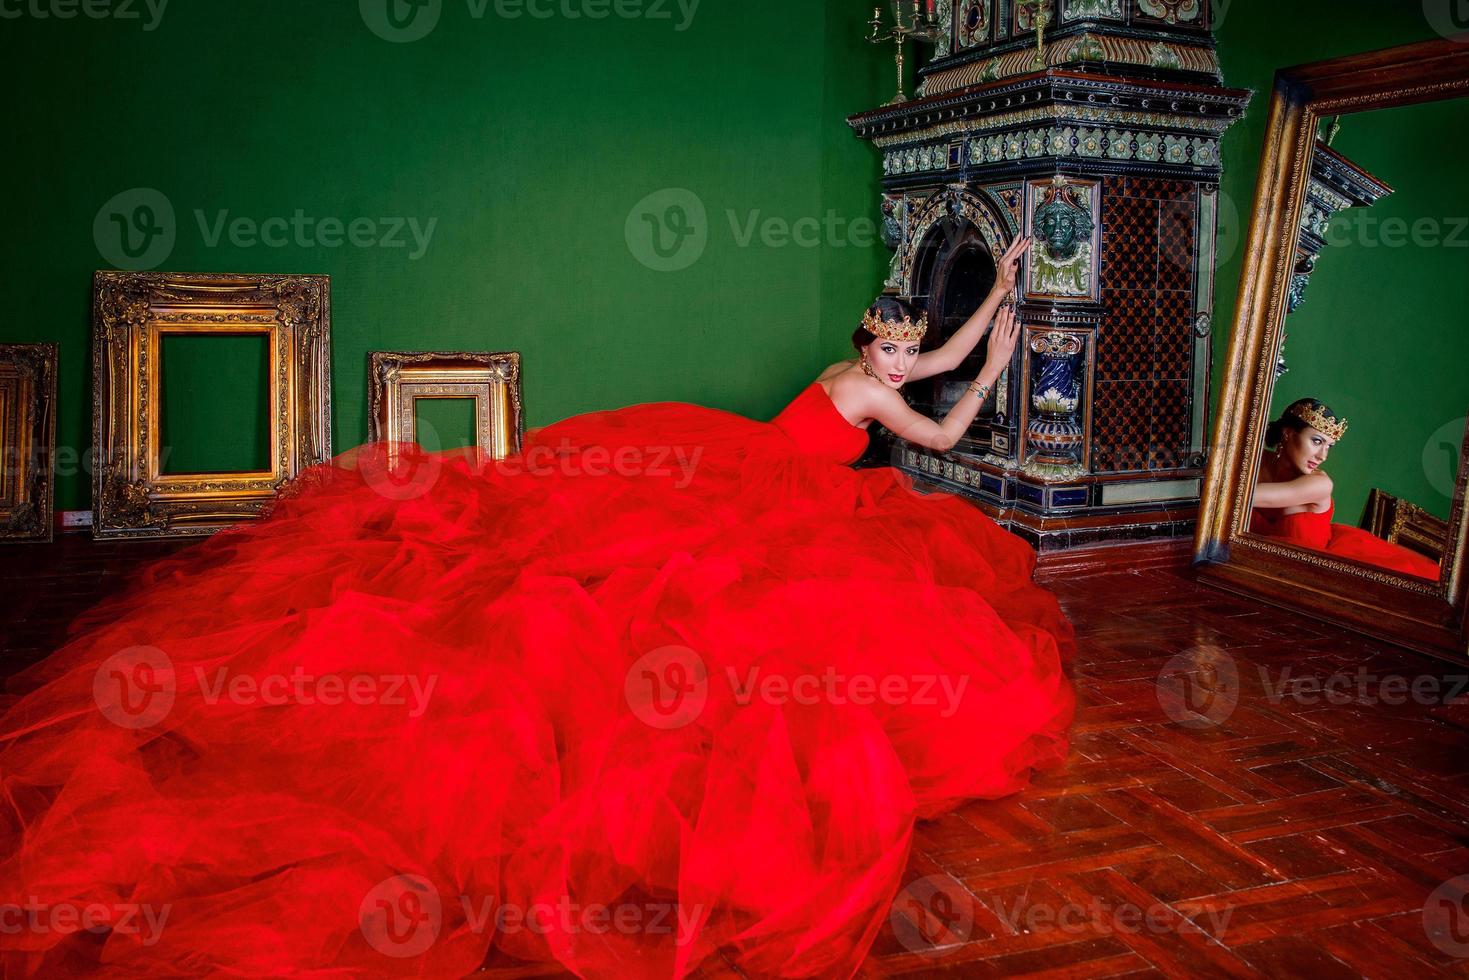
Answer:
(892, 360)
(1304, 450)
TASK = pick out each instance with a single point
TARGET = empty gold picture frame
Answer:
(27, 441)
(131, 314)
(397, 379)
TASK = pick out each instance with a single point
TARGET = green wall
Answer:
(520, 146)
(1381, 336)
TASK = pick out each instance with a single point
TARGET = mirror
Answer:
(1337, 482)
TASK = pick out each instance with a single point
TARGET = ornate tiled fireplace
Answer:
(1109, 156)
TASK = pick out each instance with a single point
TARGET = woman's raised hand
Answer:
(1002, 339)
(1007, 270)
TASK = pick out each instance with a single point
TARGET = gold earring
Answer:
(867, 367)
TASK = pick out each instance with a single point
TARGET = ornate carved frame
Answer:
(1403, 522)
(1426, 616)
(397, 379)
(132, 312)
(27, 441)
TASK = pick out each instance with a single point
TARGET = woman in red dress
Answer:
(668, 683)
(1292, 498)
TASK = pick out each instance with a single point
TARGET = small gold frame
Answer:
(27, 441)
(131, 313)
(398, 379)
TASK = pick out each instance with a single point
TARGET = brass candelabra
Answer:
(920, 22)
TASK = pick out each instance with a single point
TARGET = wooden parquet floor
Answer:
(1250, 793)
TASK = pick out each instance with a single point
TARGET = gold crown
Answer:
(904, 329)
(1316, 419)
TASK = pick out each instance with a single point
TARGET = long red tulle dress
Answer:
(1314, 530)
(669, 681)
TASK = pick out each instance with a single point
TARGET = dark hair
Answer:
(1289, 420)
(889, 309)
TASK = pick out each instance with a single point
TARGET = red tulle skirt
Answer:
(660, 685)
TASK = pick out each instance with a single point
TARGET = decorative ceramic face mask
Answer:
(1062, 226)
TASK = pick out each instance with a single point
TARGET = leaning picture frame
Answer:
(27, 441)
(398, 379)
(132, 313)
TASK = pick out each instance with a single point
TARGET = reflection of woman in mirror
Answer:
(1293, 495)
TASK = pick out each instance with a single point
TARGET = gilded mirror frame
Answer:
(132, 314)
(1430, 617)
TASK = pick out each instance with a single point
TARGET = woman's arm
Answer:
(953, 351)
(888, 407)
(1314, 488)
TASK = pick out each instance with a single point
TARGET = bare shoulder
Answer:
(1322, 484)
(855, 390)
(833, 370)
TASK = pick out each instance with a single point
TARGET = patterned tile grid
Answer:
(1145, 354)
